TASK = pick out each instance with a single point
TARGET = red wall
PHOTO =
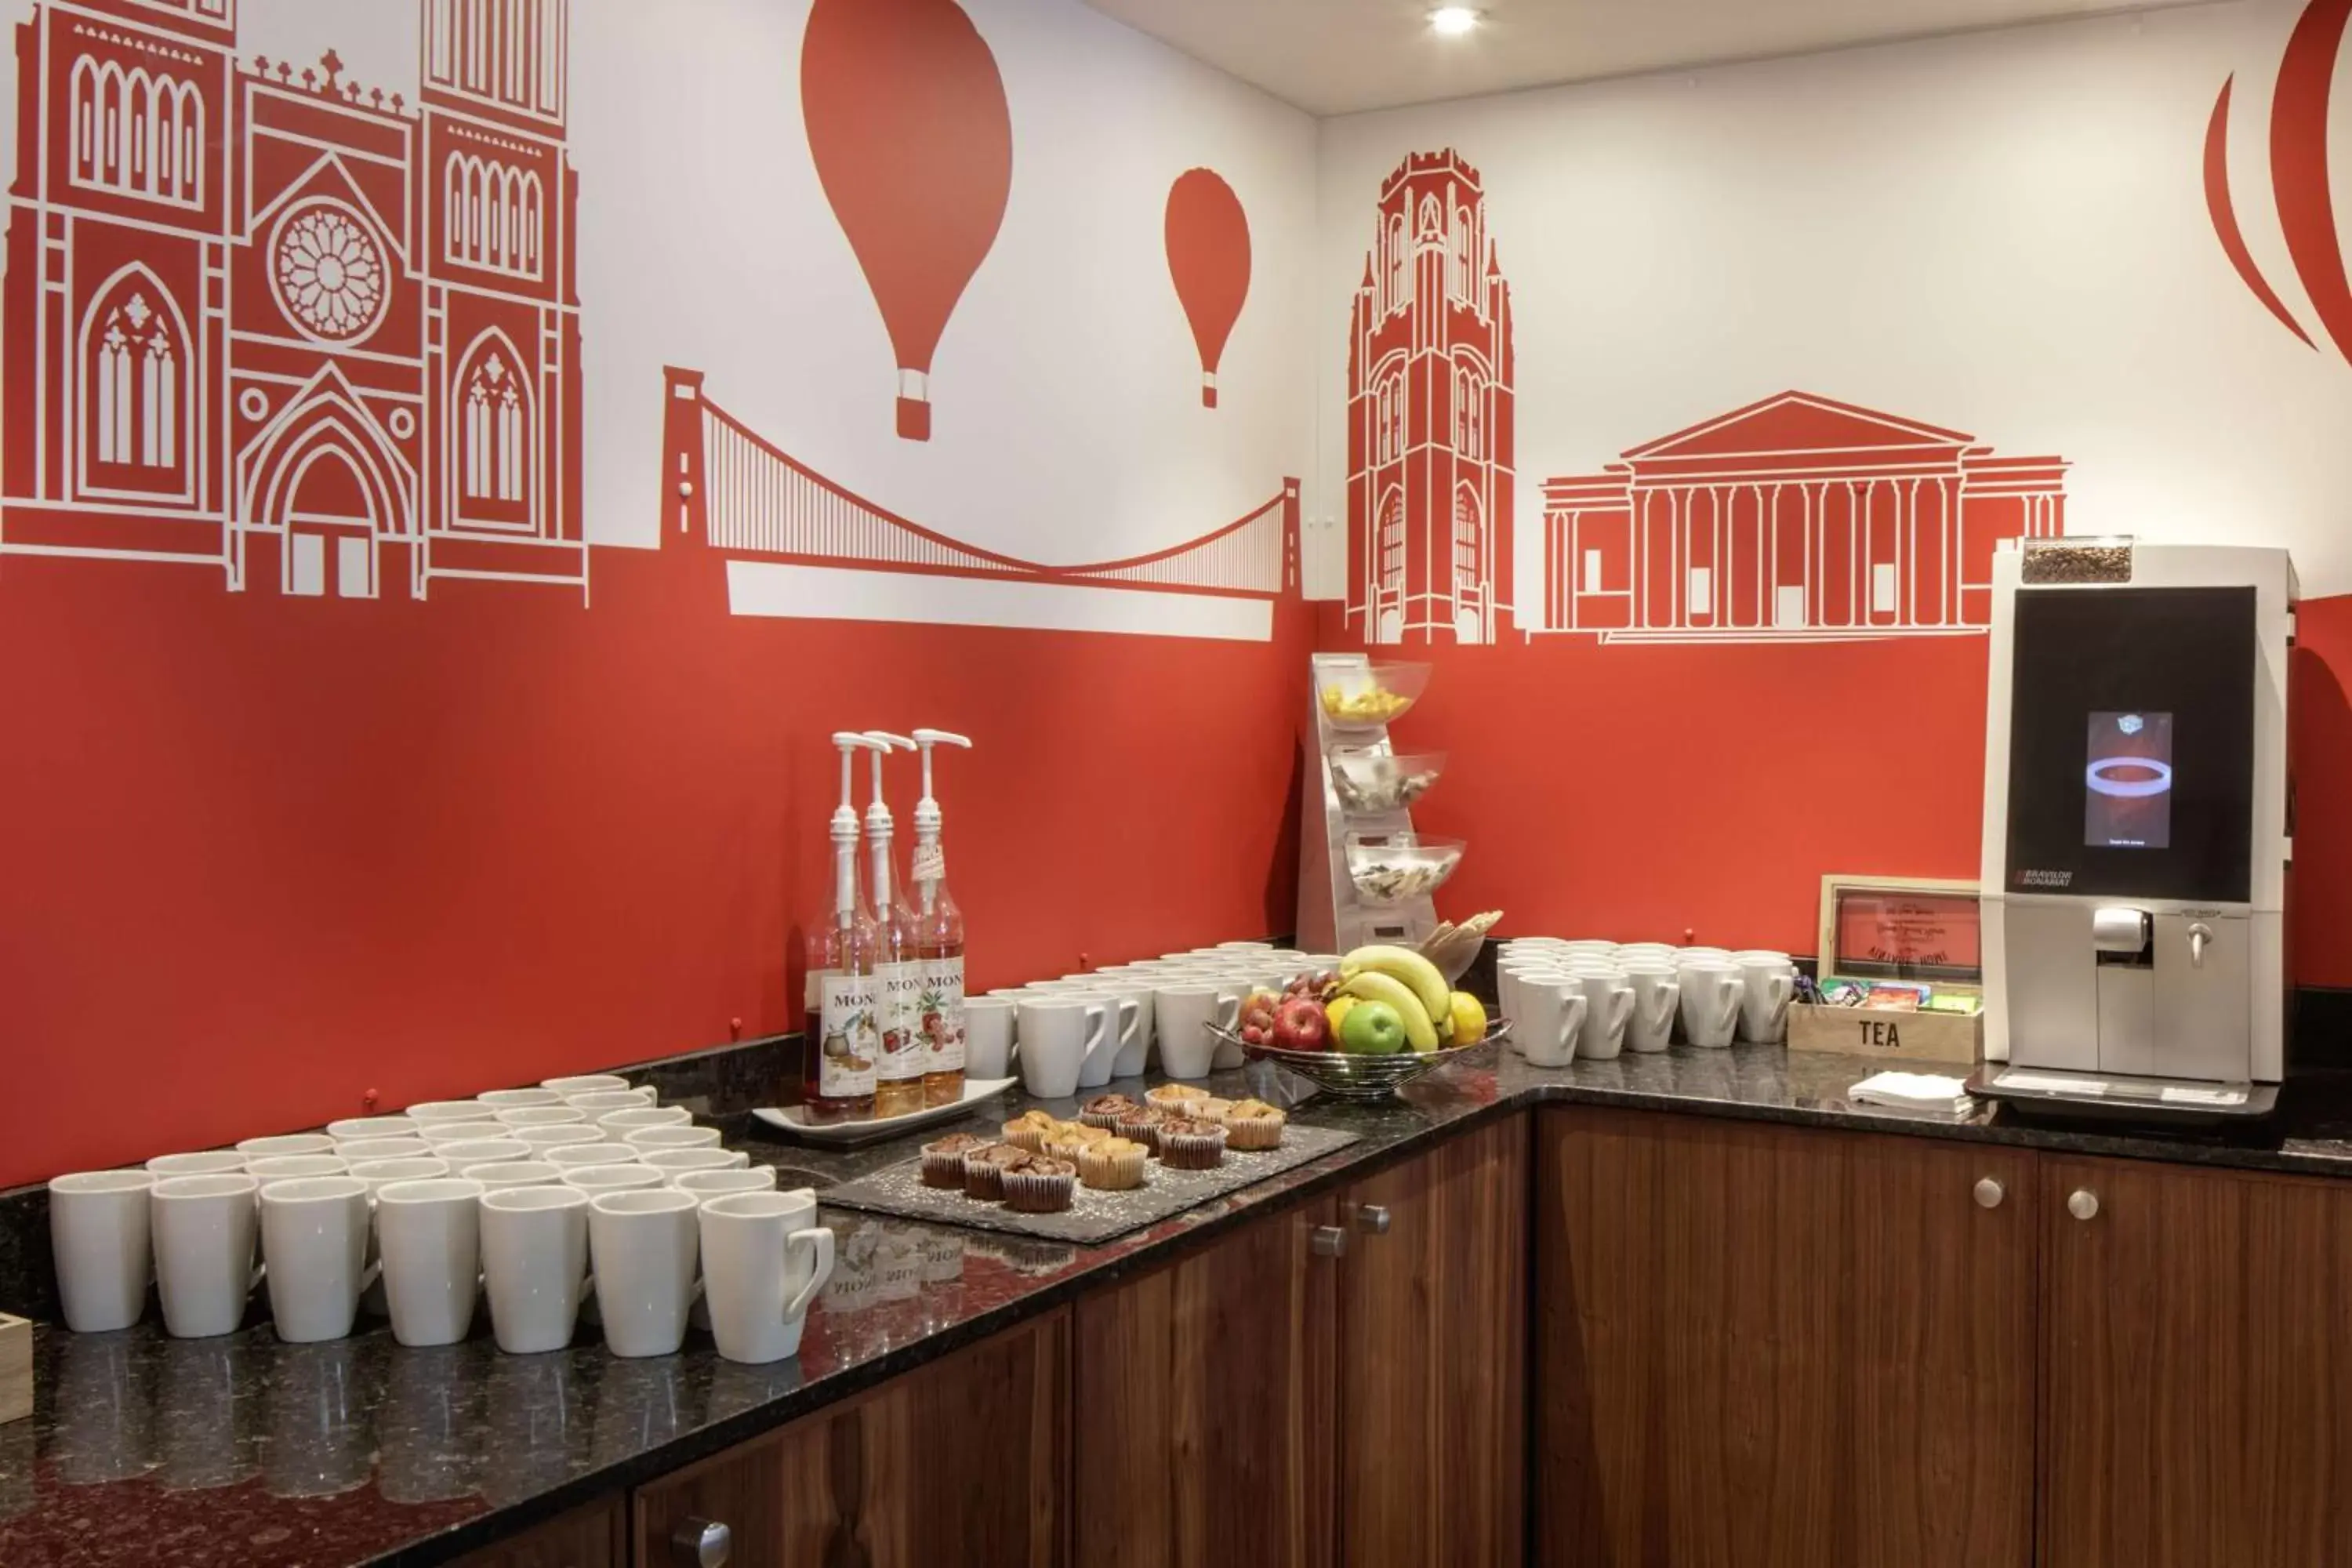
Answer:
(263, 855)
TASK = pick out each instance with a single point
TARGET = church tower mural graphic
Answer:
(1430, 416)
(266, 320)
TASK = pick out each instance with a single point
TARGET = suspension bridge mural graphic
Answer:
(267, 321)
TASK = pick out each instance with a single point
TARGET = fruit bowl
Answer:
(1374, 696)
(1398, 868)
(1372, 783)
(1344, 1075)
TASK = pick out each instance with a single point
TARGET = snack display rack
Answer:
(1334, 914)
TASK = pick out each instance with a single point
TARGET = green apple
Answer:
(1372, 1029)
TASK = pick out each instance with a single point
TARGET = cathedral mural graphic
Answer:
(267, 321)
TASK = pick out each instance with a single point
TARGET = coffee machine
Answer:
(2136, 828)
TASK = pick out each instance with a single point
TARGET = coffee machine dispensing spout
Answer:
(2117, 929)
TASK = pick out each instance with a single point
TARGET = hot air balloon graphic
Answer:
(913, 143)
(1209, 257)
(2299, 178)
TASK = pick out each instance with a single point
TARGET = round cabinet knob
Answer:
(1328, 1241)
(2083, 1204)
(1373, 1219)
(685, 489)
(1989, 1193)
(701, 1543)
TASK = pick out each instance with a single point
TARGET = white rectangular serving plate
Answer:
(791, 1121)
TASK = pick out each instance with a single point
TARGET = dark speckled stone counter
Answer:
(246, 1452)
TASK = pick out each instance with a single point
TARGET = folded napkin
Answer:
(1914, 1091)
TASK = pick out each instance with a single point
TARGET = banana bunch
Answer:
(1406, 981)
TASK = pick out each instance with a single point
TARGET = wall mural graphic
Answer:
(1209, 259)
(913, 141)
(1430, 408)
(1794, 519)
(265, 320)
(2299, 178)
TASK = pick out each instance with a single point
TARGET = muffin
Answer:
(1143, 1126)
(1113, 1164)
(984, 1170)
(1068, 1139)
(1028, 1130)
(1105, 1109)
(1186, 1144)
(1039, 1184)
(1209, 1110)
(943, 1160)
(1253, 1124)
(1174, 1097)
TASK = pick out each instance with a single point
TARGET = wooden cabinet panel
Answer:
(593, 1536)
(2197, 1383)
(1432, 1369)
(1204, 1423)
(1758, 1347)
(963, 1461)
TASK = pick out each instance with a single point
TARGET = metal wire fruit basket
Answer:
(1345, 1075)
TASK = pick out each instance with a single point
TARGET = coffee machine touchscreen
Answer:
(2127, 781)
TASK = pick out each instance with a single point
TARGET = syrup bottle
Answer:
(898, 1070)
(841, 1042)
(938, 928)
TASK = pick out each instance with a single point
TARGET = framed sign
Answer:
(1900, 928)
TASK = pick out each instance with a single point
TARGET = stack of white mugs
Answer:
(1596, 999)
(582, 1192)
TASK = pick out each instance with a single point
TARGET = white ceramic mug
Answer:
(1609, 1003)
(539, 1116)
(642, 1248)
(351, 1128)
(430, 1236)
(1187, 1049)
(520, 1099)
(439, 1133)
(1772, 980)
(1122, 1032)
(1136, 1032)
(987, 1036)
(468, 1151)
(620, 1123)
(203, 1163)
(503, 1174)
(598, 1101)
(646, 1140)
(585, 1083)
(99, 1234)
(204, 1229)
(426, 1112)
(534, 1265)
(596, 1179)
(542, 1139)
(1555, 1006)
(1713, 991)
(1657, 995)
(359, 1151)
(705, 1184)
(582, 1156)
(764, 1259)
(286, 1143)
(1059, 1036)
(271, 1168)
(314, 1245)
(675, 1163)
(381, 1173)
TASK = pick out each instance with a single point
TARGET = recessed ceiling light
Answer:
(1452, 21)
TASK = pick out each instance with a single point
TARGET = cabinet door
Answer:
(2197, 1383)
(593, 1536)
(962, 1461)
(1205, 1410)
(1433, 1370)
(1762, 1347)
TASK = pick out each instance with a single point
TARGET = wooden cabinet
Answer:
(964, 1462)
(1761, 1346)
(1432, 1391)
(593, 1536)
(2197, 1384)
(1203, 1421)
(1342, 1384)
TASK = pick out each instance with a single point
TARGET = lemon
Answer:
(1336, 1010)
(1469, 1019)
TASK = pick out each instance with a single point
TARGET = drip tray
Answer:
(2048, 1094)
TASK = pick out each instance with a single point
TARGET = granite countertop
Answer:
(242, 1452)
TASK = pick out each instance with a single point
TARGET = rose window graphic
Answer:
(329, 272)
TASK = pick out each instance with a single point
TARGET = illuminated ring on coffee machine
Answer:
(2103, 782)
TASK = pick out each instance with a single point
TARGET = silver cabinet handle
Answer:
(1989, 1193)
(1373, 1219)
(2083, 1204)
(1328, 1241)
(701, 1543)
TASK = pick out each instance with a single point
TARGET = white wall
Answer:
(2004, 233)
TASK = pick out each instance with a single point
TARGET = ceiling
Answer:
(1338, 57)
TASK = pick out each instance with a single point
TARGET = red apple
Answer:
(1302, 1026)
